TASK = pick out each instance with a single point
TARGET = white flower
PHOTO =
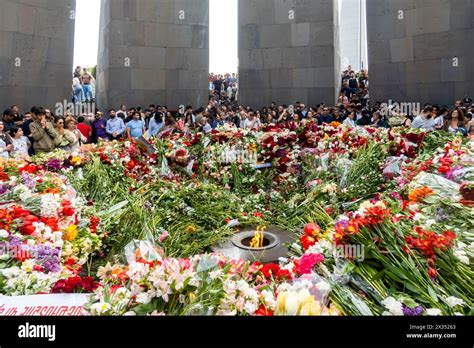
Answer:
(394, 306)
(100, 307)
(250, 307)
(418, 217)
(3, 234)
(28, 265)
(292, 303)
(269, 299)
(430, 222)
(144, 298)
(215, 274)
(454, 301)
(433, 311)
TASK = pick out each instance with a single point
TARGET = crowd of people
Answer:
(354, 87)
(39, 130)
(224, 87)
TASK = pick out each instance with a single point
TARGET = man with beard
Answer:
(98, 128)
(115, 126)
(42, 131)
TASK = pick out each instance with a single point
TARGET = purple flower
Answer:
(3, 189)
(47, 257)
(53, 164)
(344, 223)
(412, 312)
(28, 181)
(15, 241)
(67, 163)
(441, 215)
(452, 173)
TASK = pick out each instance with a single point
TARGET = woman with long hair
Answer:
(6, 145)
(455, 123)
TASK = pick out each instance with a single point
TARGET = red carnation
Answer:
(307, 241)
(312, 229)
(263, 311)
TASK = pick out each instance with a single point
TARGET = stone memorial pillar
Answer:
(36, 52)
(153, 52)
(288, 51)
(420, 51)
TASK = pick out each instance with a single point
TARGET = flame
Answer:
(257, 240)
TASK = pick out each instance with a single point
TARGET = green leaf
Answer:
(379, 275)
(396, 271)
(144, 309)
(432, 293)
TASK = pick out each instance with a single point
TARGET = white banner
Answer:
(43, 305)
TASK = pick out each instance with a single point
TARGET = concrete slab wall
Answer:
(413, 49)
(287, 51)
(153, 51)
(36, 52)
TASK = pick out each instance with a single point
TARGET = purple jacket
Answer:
(98, 130)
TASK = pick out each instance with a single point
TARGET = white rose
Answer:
(3, 234)
(433, 311)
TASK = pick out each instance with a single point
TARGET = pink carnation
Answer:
(308, 261)
(163, 236)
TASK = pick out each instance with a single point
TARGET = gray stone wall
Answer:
(413, 45)
(153, 51)
(287, 56)
(36, 52)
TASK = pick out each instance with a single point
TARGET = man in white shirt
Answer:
(439, 121)
(425, 120)
(251, 122)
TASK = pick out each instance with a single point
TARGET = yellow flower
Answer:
(76, 160)
(457, 142)
(70, 233)
(310, 307)
(281, 304)
(191, 229)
